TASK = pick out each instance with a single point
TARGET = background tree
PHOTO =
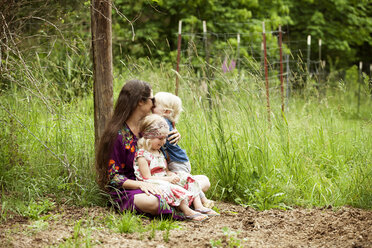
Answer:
(156, 23)
(345, 28)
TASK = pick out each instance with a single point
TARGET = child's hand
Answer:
(174, 178)
(174, 137)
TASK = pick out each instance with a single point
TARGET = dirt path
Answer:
(237, 226)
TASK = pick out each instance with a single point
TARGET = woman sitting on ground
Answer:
(116, 153)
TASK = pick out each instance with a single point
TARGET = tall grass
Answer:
(317, 153)
(47, 152)
(312, 155)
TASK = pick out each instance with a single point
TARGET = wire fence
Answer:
(239, 51)
(261, 55)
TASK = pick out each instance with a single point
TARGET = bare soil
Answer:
(237, 226)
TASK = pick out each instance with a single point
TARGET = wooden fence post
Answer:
(360, 78)
(281, 66)
(178, 54)
(237, 52)
(102, 64)
(266, 72)
(207, 69)
(320, 50)
(262, 63)
(370, 79)
(205, 38)
(308, 55)
(320, 61)
(288, 82)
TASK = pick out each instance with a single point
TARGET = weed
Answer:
(164, 225)
(127, 222)
(230, 239)
(152, 228)
(81, 237)
(77, 230)
(38, 226)
(35, 210)
(4, 211)
(215, 243)
(166, 233)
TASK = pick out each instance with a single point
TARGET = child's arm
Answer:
(145, 171)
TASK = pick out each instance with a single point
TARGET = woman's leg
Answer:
(147, 203)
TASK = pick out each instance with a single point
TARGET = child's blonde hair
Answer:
(151, 126)
(169, 102)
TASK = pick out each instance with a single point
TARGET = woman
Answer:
(116, 152)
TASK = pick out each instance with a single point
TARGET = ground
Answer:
(236, 227)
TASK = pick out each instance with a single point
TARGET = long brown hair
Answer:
(130, 95)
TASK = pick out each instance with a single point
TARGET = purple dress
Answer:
(121, 169)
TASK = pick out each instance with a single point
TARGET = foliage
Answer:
(316, 153)
(149, 28)
(57, 159)
(69, 75)
(4, 211)
(230, 239)
(81, 237)
(28, 18)
(345, 28)
(129, 222)
(38, 225)
(155, 24)
(54, 43)
(164, 225)
(126, 223)
(35, 210)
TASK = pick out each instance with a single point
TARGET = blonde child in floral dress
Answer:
(169, 106)
(179, 189)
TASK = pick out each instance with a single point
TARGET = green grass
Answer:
(129, 222)
(316, 153)
(312, 155)
(230, 239)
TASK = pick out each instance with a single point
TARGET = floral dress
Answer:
(120, 169)
(186, 189)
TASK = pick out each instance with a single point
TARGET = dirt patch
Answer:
(237, 226)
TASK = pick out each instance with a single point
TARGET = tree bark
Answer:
(102, 64)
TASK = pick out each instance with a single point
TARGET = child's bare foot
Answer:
(207, 203)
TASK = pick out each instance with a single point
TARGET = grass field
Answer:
(317, 153)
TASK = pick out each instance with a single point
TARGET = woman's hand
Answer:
(174, 137)
(150, 188)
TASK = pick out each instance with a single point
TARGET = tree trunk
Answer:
(102, 64)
